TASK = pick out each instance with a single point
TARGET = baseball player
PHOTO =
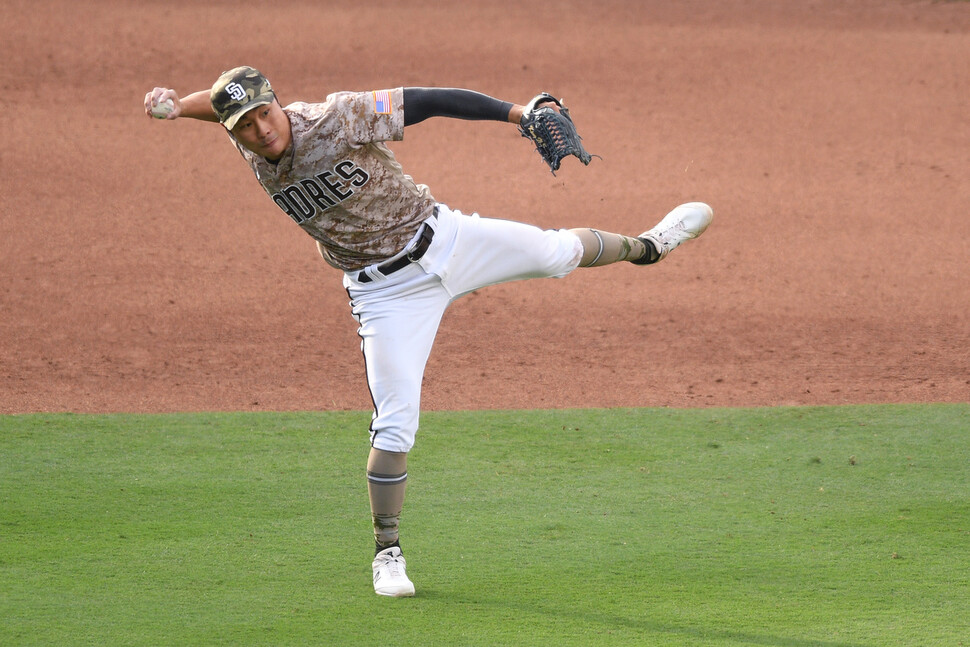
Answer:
(404, 256)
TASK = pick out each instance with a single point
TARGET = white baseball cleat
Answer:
(390, 576)
(680, 225)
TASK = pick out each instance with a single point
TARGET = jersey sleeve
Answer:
(370, 117)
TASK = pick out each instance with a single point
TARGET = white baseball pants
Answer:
(399, 314)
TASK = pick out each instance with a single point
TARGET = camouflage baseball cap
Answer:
(238, 91)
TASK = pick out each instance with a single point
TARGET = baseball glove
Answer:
(553, 133)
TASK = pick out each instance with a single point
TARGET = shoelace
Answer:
(393, 565)
(674, 235)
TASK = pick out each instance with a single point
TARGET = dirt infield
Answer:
(144, 270)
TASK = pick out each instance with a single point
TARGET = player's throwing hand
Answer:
(163, 103)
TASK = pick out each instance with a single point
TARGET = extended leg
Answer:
(680, 225)
(605, 248)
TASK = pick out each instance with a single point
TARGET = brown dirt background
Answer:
(144, 270)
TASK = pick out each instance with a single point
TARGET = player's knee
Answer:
(568, 252)
(388, 443)
(393, 439)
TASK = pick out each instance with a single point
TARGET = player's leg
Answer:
(397, 334)
(605, 248)
(387, 479)
(386, 484)
(493, 251)
(487, 251)
(680, 225)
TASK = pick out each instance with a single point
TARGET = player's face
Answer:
(265, 130)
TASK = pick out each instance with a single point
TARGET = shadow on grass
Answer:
(645, 627)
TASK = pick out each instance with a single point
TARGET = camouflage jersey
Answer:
(341, 183)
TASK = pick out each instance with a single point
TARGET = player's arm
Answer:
(422, 103)
(193, 106)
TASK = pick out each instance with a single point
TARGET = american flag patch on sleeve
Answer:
(382, 102)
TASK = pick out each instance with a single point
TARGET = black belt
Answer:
(424, 242)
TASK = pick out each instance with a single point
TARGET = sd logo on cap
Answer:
(238, 91)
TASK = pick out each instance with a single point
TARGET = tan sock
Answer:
(387, 477)
(605, 248)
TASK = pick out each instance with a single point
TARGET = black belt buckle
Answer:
(424, 242)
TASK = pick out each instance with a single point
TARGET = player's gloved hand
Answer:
(159, 96)
(546, 122)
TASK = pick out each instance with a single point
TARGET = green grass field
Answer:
(830, 527)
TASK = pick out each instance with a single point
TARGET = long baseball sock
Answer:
(387, 478)
(604, 248)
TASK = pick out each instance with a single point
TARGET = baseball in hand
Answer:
(163, 108)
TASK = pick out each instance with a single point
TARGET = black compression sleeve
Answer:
(421, 103)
